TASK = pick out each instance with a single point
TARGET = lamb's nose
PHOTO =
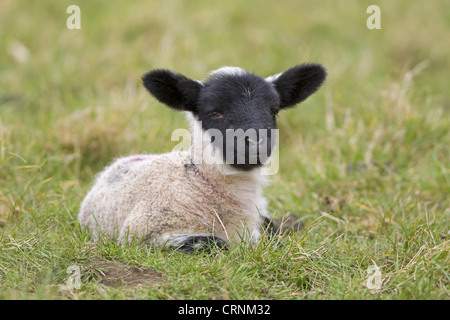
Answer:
(253, 142)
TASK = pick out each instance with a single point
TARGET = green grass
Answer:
(365, 162)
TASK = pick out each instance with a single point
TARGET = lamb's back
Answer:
(141, 182)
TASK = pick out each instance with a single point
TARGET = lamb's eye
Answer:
(216, 115)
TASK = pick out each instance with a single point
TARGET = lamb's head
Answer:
(237, 108)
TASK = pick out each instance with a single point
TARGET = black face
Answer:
(239, 112)
(237, 108)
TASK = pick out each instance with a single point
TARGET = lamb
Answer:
(192, 199)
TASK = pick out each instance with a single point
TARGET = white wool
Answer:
(274, 77)
(162, 198)
(227, 70)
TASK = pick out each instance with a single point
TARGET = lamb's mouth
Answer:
(247, 161)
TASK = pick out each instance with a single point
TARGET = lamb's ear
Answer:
(173, 89)
(298, 83)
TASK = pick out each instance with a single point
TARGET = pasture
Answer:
(364, 162)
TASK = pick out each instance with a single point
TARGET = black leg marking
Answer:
(271, 230)
(269, 227)
(197, 244)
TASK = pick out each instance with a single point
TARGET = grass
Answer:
(364, 162)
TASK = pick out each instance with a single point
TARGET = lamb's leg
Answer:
(269, 227)
(195, 243)
(273, 232)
